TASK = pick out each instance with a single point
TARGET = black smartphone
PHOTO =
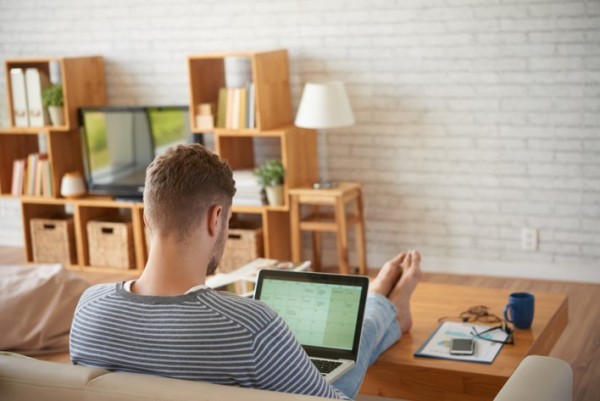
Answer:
(462, 346)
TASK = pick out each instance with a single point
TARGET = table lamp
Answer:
(324, 105)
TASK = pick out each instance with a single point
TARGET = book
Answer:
(18, 177)
(250, 112)
(248, 189)
(32, 161)
(222, 108)
(42, 175)
(238, 71)
(235, 119)
(19, 97)
(37, 186)
(47, 187)
(36, 81)
(242, 106)
(229, 110)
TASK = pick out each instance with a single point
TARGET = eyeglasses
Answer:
(503, 327)
(474, 314)
(481, 314)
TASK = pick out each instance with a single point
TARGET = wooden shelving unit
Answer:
(84, 85)
(82, 79)
(270, 75)
(297, 147)
(82, 211)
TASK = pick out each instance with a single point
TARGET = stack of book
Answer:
(236, 106)
(26, 90)
(32, 176)
(248, 190)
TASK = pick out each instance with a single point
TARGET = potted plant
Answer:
(52, 98)
(270, 175)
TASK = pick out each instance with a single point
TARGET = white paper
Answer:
(438, 346)
(248, 272)
(19, 97)
(36, 81)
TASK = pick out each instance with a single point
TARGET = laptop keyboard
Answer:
(325, 366)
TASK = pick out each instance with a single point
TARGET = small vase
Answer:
(57, 115)
(72, 185)
(275, 195)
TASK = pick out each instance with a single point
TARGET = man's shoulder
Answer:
(97, 291)
(249, 305)
(246, 311)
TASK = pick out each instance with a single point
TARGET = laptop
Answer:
(323, 311)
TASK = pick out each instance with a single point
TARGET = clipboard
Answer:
(438, 344)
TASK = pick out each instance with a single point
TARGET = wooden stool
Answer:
(337, 222)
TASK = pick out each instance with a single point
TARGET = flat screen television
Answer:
(120, 142)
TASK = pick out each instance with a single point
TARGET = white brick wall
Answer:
(474, 117)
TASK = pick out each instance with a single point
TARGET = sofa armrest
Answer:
(25, 379)
(539, 378)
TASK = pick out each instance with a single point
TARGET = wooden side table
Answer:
(337, 222)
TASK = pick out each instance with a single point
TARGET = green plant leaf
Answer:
(53, 96)
(270, 173)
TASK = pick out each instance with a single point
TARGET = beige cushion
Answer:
(539, 378)
(26, 379)
(36, 307)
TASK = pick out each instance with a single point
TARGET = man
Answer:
(169, 324)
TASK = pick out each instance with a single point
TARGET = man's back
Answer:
(202, 335)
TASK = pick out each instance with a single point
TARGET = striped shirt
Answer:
(203, 335)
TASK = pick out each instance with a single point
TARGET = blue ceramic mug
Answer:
(519, 310)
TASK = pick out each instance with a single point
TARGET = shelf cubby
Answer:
(82, 79)
(270, 75)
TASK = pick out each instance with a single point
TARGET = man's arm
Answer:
(281, 364)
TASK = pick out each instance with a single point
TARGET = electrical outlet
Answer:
(529, 239)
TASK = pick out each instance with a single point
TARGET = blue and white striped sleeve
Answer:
(281, 364)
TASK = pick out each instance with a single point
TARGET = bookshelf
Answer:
(297, 147)
(82, 211)
(84, 85)
(270, 75)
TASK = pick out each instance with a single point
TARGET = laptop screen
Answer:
(322, 310)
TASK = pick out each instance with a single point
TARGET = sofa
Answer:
(24, 379)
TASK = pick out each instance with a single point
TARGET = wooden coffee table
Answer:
(399, 374)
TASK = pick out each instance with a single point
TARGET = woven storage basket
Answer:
(53, 240)
(242, 247)
(111, 244)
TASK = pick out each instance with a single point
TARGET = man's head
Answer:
(184, 186)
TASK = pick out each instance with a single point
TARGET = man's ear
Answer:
(145, 219)
(215, 214)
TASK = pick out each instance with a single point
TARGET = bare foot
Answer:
(388, 276)
(404, 288)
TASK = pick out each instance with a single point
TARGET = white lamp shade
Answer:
(324, 105)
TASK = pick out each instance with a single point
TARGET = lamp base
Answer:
(324, 185)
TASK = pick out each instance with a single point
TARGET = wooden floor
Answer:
(579, 345)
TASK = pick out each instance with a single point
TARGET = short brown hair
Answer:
(181, 185)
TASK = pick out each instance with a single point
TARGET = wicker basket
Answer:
(53, 240)
(242, 247)
(111, 244)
